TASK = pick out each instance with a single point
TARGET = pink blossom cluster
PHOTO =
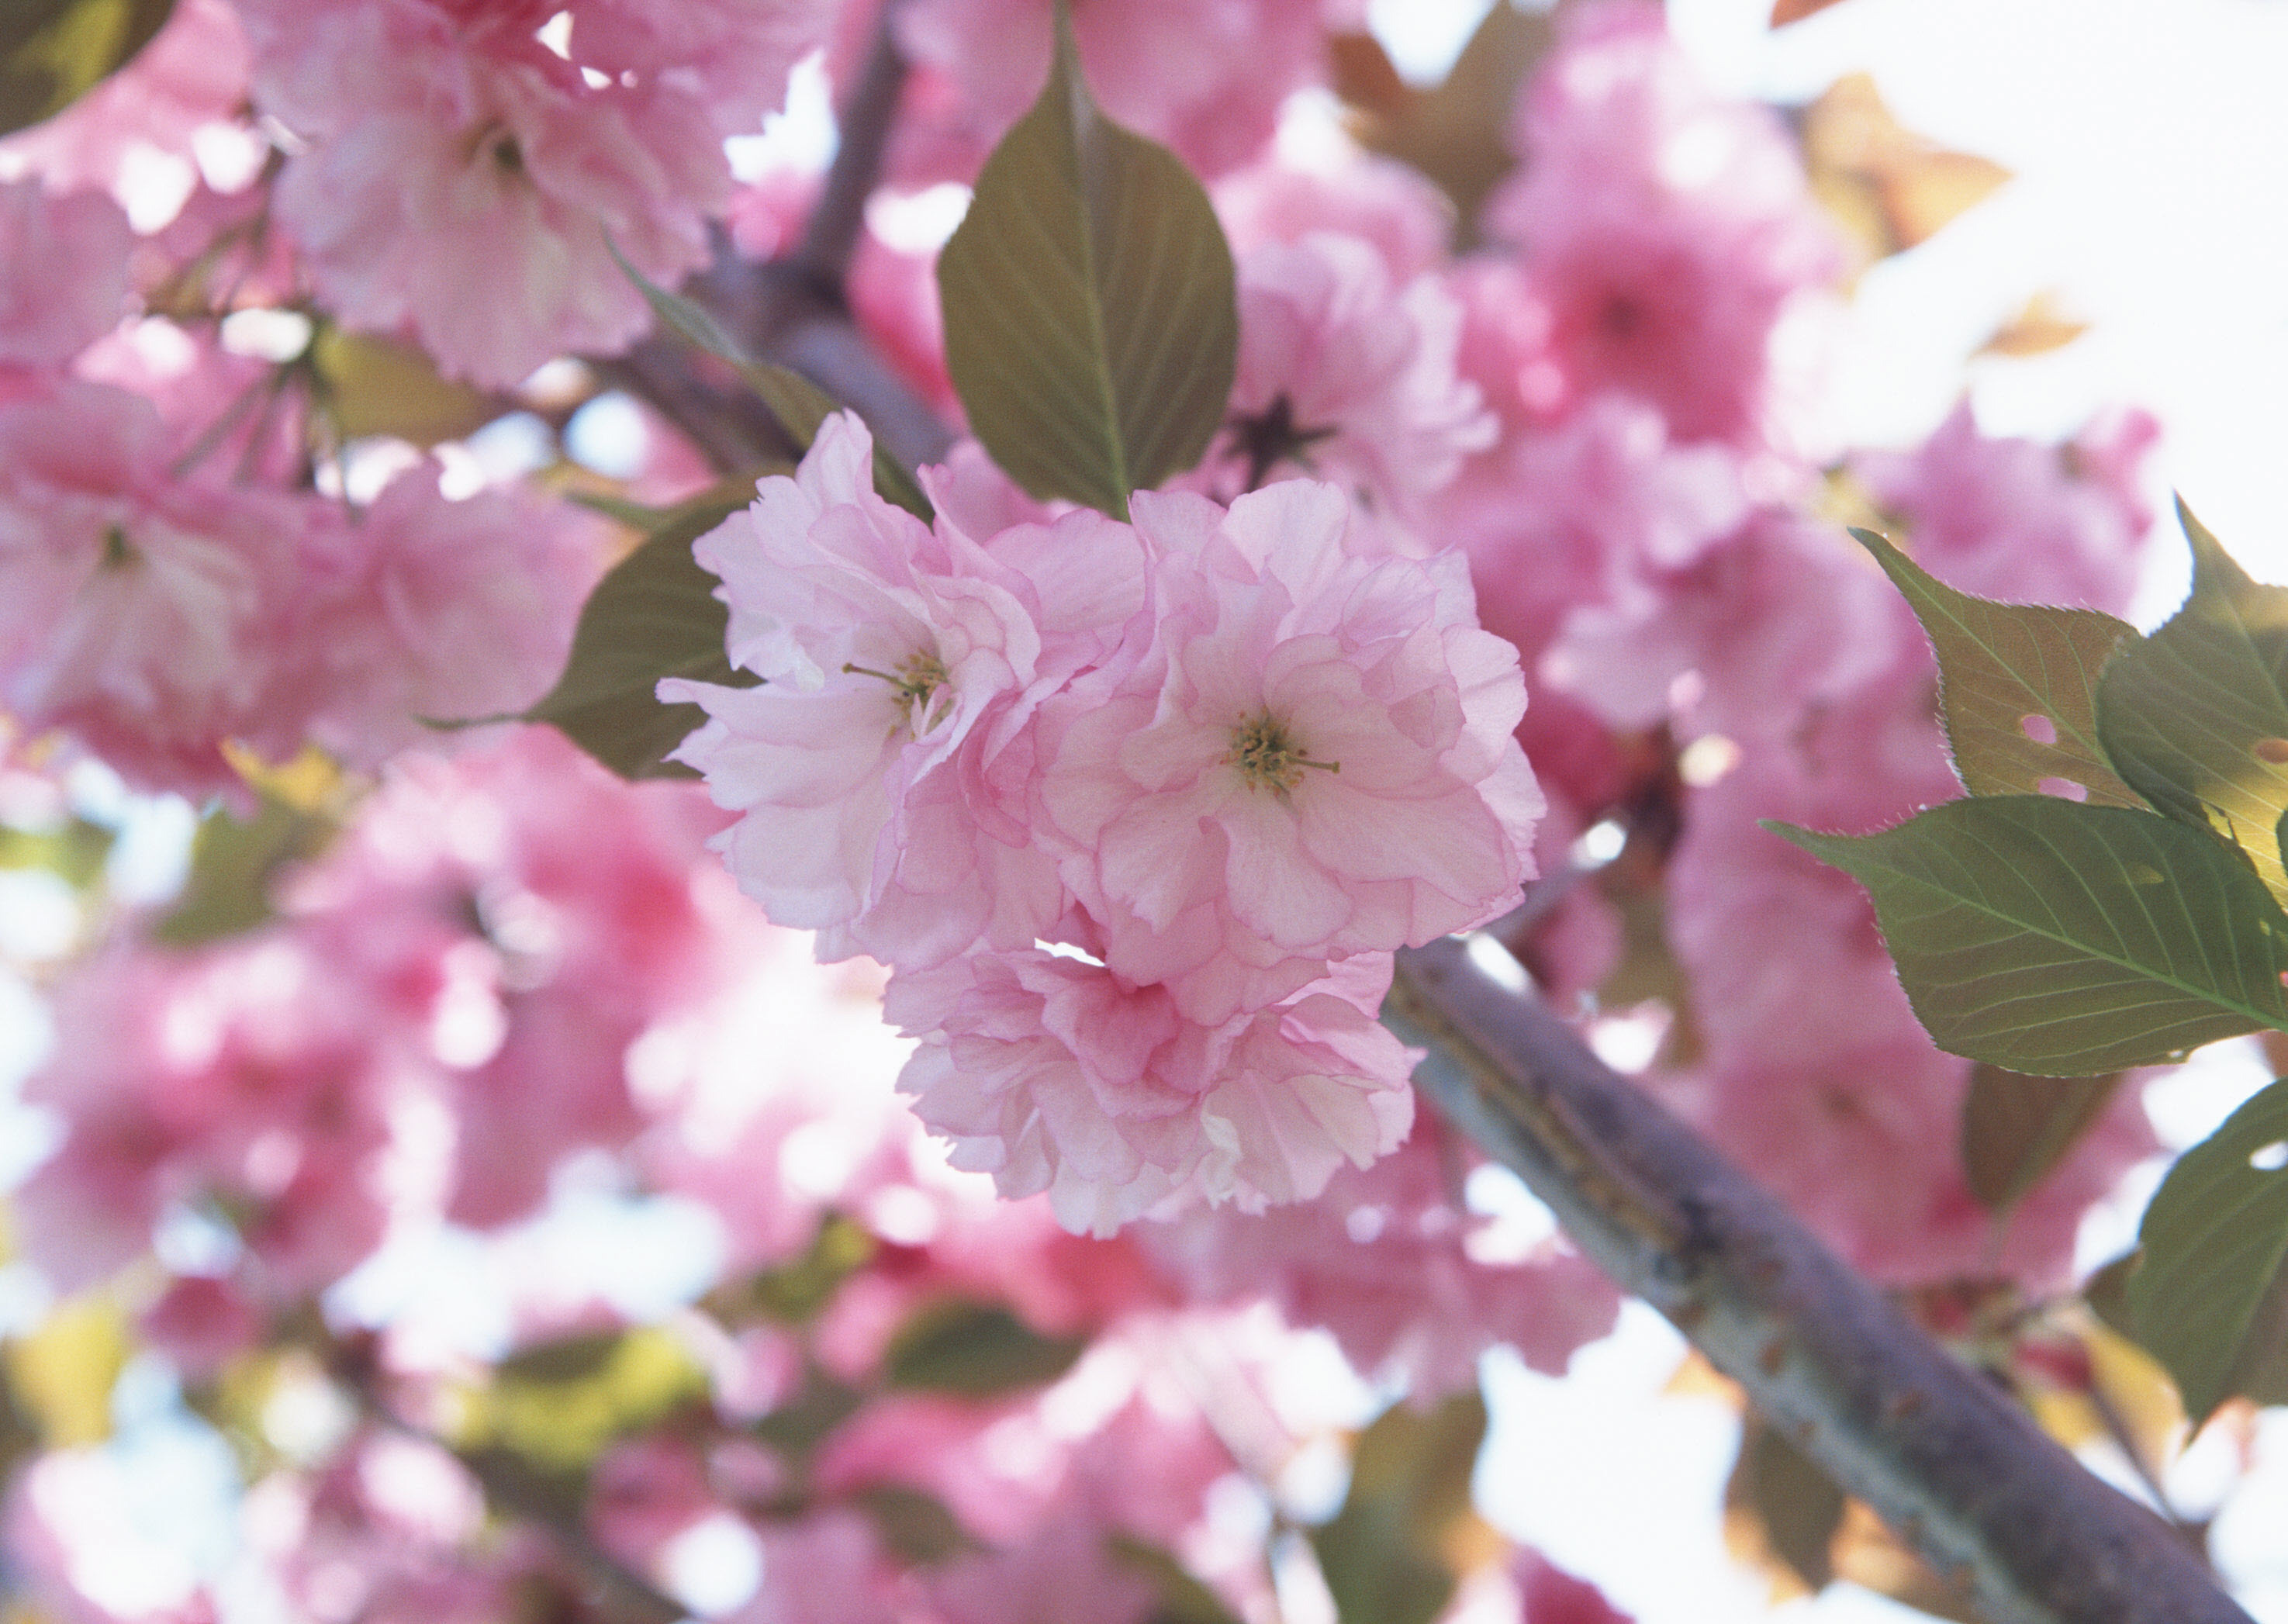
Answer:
(462, 171)
(441, 1014)
(1136, 811)
(156, 619)
(1205, 77)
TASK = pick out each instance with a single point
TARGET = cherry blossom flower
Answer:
(1315, 748)
(1387, 1261)
(227, 1083)
(151, 619)
(901, 666)
(462, 179)
(63, 272)
(1346, 375)
(1667, 228)
(1388, 204)
(526, 917)
(1205, 78)
(2018, 520)
(442, 610)
(1055, 1074)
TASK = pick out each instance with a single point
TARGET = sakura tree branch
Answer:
(795, 310)
(1941, 1454)
(831, 236)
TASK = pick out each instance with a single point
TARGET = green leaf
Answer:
(798, 1290)
(561, 1405)
(1390, 1554)
(1091, 321)
(2196, 716)
(74, 850)
(655, 615)
(370, 385)
(1781, 1511)
(1459, 134)
(232, 861)
(916, 1528)
(54, 51)
(978, 1349)
(2214, 1241)
(2065, 941)
(800, 405)
(2015, 1129)
(1183, 1599)
(2004, 668)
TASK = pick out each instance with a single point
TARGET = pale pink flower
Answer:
(460, 179)
(1582, 512)
(1055, 1074)
(1390, 204)
(1782, 616)
(1667, 228)
(1386, 1261)
(391, 1530)
(224, 415)
(1066, 1569)
(443, 610)
(63, 272)
(827, 1567)
(881, 767)
(149, 618)
(1348, 375)
(2019, 520)
(1315, 746)
(527, 918)
(1205, 78)
(238, 1081)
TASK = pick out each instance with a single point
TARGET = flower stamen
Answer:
(916, 682)
(1268, 757)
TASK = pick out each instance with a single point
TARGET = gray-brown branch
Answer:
(1943, 1455)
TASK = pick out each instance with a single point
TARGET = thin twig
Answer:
(1956, 1469)
(864, 121)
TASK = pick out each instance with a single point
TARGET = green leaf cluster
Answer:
(2109, 895)
(54, 51)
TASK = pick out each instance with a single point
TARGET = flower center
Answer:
(915, 684)
(1269, 757)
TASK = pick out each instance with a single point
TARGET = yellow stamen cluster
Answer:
(916, 681)
(1268, 757)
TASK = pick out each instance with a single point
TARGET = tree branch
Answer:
(1943, 1455)
(793, 309)
(863, 122)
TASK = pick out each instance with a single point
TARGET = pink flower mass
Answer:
(1219, 757)
(937, 1155)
